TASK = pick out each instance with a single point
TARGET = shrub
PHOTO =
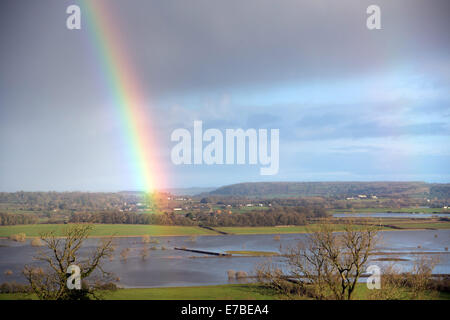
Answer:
(441, 284)
(144, 253)
(13, 287)
(231, 274)
(124, 254)
(241, 274)
(36, 242)
(146, 238)
(5, 287)
(192, 238)
(110, 286)
(419, 281)
(19, 237)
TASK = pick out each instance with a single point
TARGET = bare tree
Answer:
(124, 254)
(49, 280)
(416, 283)
(146, 238)
(420, 277)
(327, 266)
(231, 274)
(144, 252)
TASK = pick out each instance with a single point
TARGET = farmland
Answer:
(218, 292)
(100, 230)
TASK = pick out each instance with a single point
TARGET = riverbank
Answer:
(394, 210)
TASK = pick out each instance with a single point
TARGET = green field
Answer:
(437, 225)
(33, 230)
(253, 253)
(219, 292)
(123, 230)
(99, 230)
(398, 223)
(278, 230)
(248, 209)
(263, 230)
(411, 223)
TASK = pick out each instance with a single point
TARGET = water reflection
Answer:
(405, 215)
(180, 268)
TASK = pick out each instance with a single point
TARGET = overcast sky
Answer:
(350, 103)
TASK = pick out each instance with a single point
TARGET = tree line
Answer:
(10, 219)
(125, 217)
(335, 189)
(270, 217)
(71, 201)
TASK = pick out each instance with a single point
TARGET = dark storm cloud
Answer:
(179, 46)
(57, 125)
(210, 45)
(202, 45)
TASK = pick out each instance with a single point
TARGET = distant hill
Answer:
(188, 191)
(335, 189)
(175, 191)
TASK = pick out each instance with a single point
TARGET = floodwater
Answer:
(170, 267)
(405, 215)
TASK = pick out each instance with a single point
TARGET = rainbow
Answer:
(126, 93)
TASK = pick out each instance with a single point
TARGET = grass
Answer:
(435, 225)
(248, 209)
(99, 230)
(399, 223)
(263, 230)
(363, 293)
(279, 230)
(218, 292)
(123, 230)
(254, 253)
(16, 296)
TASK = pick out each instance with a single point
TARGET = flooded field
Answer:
(171, 267)
(405, 215)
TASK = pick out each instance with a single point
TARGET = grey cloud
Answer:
(262, 120)
(179, 46)
(369, 129)
(57, 121)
